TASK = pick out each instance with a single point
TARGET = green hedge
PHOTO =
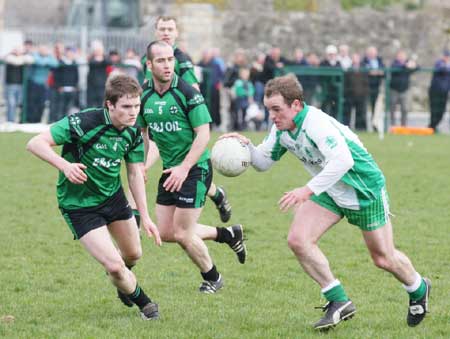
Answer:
(380, 4)
(295, 5)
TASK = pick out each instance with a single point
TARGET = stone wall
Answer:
(255, 26)
(200, 24)
(422, 33)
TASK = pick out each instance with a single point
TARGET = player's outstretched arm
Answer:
(41, 146)
(137, 188)
(261, 160)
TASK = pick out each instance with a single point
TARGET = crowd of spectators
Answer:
(341, 76)
(37, 77)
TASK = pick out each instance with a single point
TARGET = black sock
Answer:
(139, 297)
(137, 216)
(211, 275)
(223, 235)
(218, 197)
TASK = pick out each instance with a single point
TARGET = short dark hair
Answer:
(161, 43)
(119, 85)
(287, 86)
(165, 18)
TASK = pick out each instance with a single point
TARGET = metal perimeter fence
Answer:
(329, 84)
(112, 39)
(119, 40)
(334, 90)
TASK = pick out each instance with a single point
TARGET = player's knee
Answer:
(382, 261)
(115, 267)
(133, 255)
(166, 232)
(167, 236)
(181, 237)
(297, 244)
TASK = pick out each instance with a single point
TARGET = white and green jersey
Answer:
(171, 118)
(330, 152)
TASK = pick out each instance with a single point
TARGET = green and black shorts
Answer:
(193, 191)
(84, 220)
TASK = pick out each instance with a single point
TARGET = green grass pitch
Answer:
(53, 289)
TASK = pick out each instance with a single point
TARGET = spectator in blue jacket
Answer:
(375, 66)
(402, 68)
(66, 78)
(211, 85)
(438, 91)
(37, 83)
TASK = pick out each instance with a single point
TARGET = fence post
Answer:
(341, 99)
(24, 112)
(387, 97)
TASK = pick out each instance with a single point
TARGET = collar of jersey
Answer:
(108, 121)
(107, 117)
(298, 121)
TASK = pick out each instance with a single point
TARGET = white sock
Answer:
(412, 288)
(330, 286)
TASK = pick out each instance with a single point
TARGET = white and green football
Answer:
(230, 156)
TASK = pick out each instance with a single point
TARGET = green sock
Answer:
(337, 293)
(419, 293)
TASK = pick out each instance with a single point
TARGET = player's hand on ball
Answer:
(230, 155)
(242, 138)
(294, 197)
(75, 173)
(151, 230)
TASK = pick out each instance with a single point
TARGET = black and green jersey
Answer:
(172, 117)
(183, 67)
(89, 137)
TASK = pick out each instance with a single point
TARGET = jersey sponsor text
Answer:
(107, 163)
(168, 126)
(101, 146)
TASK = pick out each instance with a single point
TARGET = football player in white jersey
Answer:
(346, 182)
